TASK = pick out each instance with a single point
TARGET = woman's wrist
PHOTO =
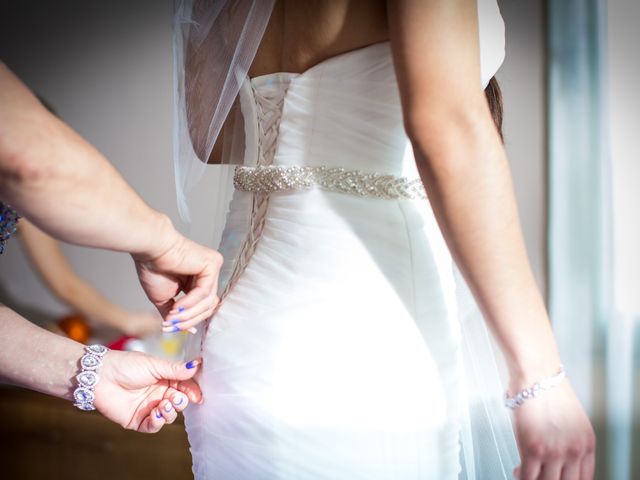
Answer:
(66, 384)
(515, 398)
(527, 343)
(58, 369)
(534, 353)
(532, 366)
(164, 237)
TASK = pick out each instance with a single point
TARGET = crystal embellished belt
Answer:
(280, 178)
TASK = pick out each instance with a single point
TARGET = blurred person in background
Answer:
(58, 275)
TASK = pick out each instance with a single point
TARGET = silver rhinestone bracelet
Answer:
(88, 377)
(514, 401)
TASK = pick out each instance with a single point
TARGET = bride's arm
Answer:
(465, 170)
(464, 166)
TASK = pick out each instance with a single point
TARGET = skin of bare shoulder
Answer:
(300, 35)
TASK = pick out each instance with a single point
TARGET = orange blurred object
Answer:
(76, 328)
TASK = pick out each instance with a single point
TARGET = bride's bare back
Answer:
(302, 34)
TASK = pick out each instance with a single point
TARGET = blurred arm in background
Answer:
(58, 275)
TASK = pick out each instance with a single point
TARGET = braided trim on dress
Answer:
(269, 113)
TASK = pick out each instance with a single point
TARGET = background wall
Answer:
(624, 105)
(106, 68)
(624, 340)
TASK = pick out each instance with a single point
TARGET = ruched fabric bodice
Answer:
(344, 112)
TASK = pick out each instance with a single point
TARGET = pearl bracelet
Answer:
(88, 378)
(533, 391)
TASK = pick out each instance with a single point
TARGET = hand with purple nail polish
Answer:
(184, 267)
(143, 393)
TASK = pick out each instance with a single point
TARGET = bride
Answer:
(367, 160)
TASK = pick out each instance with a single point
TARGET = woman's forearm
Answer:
(467, 176)
(65, 186)
(35, 358)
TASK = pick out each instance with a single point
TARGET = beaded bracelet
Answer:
(8, 221)
(533, 391)
(88, 378)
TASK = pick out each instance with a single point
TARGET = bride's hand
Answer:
(185, 267)
(555, 439)
(143, 393)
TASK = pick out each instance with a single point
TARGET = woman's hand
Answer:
(143, 393)
(555, 439)
(185, 267)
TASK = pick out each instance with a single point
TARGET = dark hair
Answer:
(494, 98)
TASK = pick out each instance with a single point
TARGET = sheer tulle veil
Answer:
(215, 42)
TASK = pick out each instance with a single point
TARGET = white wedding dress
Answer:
(335, 353)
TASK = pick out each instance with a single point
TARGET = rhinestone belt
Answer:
(280, 178)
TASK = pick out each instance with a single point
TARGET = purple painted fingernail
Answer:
(180, 309)
(174, 321)
(168, 407)
(180, 402)
(158, 414)
(175, 329)
(192, 364)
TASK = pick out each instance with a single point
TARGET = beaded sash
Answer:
(279, 178)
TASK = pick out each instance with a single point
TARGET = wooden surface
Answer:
(45, 437)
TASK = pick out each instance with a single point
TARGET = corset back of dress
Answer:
(343, 113)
